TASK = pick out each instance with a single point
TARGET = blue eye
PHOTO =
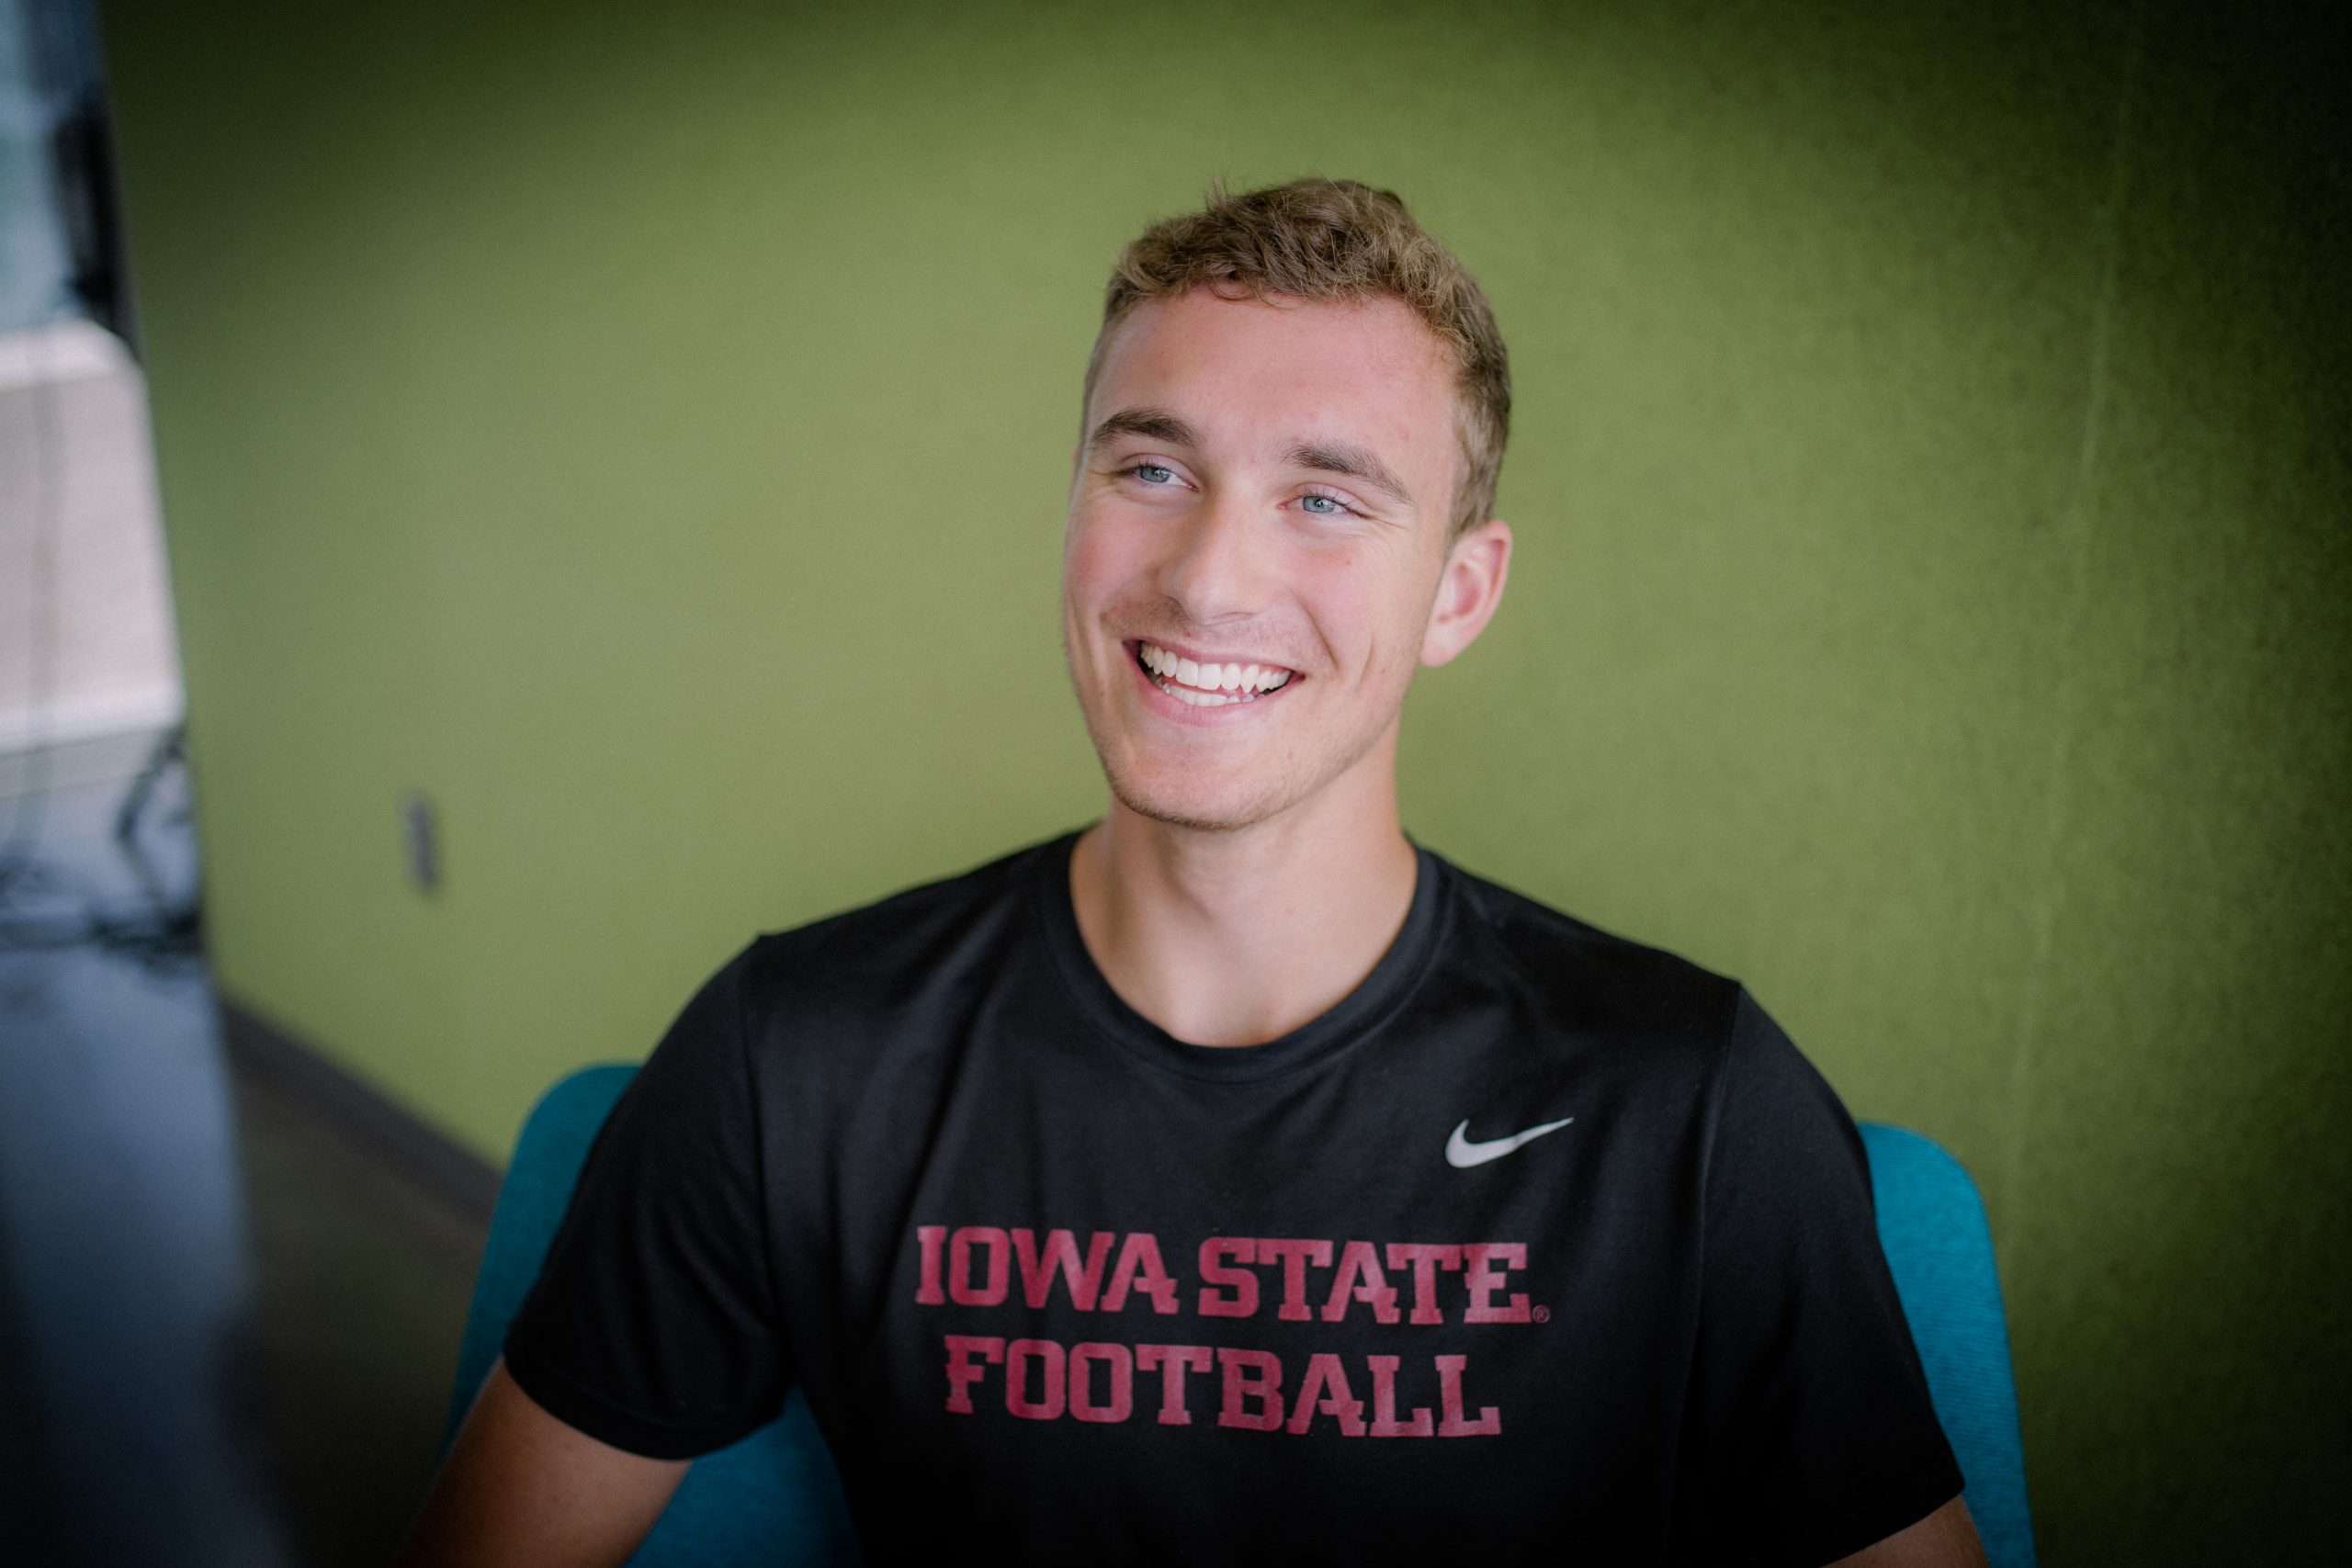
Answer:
(1320, 505)
(1153, 473)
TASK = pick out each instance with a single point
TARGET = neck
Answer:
(1238, 936)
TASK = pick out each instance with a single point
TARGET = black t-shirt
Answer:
(1539, 1245)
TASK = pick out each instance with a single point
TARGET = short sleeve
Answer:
(652, 1326)
(1808, 1430)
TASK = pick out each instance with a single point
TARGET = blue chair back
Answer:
(775, 1497)
(1931, 1226)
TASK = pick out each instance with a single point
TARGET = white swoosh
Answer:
(1461, 1154)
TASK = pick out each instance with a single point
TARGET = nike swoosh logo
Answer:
(1461, 1154)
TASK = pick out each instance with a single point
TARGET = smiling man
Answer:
(1235, 1180)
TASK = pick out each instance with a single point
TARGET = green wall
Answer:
(644, 430)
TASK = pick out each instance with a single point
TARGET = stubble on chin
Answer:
(1178, 803)
(1278, 784)
(1224, 816)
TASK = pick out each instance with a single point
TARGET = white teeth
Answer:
(1205, 685)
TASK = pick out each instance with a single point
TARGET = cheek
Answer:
(1372, 617)
(1097, 561)
(1109, 570)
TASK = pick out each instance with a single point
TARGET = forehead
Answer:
(1268, 372)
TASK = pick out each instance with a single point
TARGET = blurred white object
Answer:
(86, 641)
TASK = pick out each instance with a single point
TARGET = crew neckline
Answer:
(1352, 1019)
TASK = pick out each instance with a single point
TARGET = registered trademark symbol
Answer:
(1543, 1314)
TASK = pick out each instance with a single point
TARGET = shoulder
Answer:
(1591, 982)
(1701, 1028)
(895, 980)
(928, 929)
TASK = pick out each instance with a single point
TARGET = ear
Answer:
(1469, 589)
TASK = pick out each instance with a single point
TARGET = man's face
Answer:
(1257, 532)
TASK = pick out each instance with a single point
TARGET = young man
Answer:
(1234, 1181)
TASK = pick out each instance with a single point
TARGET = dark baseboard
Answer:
(439, 1164)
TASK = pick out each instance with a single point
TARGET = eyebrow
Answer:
(1356, 462)
(1152, 424)
(1324, 456)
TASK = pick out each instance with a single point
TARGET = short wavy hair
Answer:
(1333, 241)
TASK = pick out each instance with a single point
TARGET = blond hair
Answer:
(1333, 241)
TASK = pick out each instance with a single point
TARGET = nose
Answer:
(1214, 569)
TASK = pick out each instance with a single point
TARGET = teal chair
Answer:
(1931, 1227)
(772, 1499)
(775, 1498)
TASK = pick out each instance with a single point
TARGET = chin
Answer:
(1210, 810)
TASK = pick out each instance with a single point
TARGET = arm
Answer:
(649, 1335)
(1945, 1539)
(522, 1490)
(1818, 1440)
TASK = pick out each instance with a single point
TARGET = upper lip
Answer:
(1182, 651)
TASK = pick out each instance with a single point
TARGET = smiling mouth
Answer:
(1205, 685)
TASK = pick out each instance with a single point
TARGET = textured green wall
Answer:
(645, 430)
